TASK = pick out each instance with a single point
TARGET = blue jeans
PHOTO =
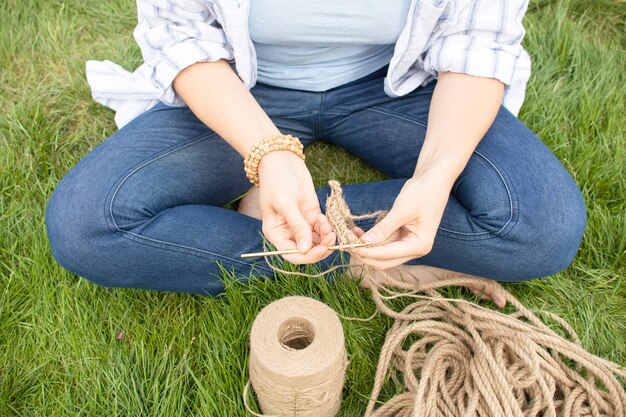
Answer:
(144, 208)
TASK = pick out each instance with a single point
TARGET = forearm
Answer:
(462, 109)
(217, 96)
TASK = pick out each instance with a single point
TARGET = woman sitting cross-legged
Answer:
(426, 91)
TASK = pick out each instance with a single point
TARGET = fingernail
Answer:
(301, 245)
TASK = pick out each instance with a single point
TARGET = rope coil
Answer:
(456, 358)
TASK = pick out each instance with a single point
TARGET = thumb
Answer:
(383, 229)
(300, 228)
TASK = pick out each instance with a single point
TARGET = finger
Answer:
(328, 252)
(317, 238)
(317, 226)
(326, 229)
(383, 265)
(279, 236)
(408, 248)
(322, 219)
(315, 254)
(358, 231)
(325, 242)
(499, 300)
(383, 229)
(322, 226)
(329, 239)
(300, 228)
(282, 239)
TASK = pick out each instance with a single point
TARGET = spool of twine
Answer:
(297, 358)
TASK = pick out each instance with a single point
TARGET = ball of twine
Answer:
(297, 359)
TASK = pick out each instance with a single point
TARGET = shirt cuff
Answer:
(474, 56)
(175, 58)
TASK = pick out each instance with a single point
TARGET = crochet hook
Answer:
(288, 251)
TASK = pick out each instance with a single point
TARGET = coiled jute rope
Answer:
(457, 358)
(451, 357)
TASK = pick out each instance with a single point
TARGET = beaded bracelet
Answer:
(273, 143)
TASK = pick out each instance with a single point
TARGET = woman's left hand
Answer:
(415, 217)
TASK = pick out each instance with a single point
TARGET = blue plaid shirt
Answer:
(476, 37)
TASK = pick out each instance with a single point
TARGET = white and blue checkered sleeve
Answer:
(484, 40)
(174, 34)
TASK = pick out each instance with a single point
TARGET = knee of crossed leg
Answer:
(78, 233)
(550, 235)
(568, 232)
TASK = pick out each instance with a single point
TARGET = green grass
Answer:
(187, 355)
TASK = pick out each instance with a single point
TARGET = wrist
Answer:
(277, 158)
(285, 144)
(443, 170)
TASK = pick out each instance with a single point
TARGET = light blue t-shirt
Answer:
(318, 45)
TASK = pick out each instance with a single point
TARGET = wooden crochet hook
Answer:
(288, 251)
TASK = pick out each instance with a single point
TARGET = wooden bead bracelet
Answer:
(278, 142)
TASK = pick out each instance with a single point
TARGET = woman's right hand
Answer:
(290, 209)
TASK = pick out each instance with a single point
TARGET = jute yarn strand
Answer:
(455, 358)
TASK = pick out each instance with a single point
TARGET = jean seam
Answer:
(293, 116)
(337, 113)
(155, 242)
(161, 244)
(387, 113)
(320, 126)
(511, 221)
(113, 193)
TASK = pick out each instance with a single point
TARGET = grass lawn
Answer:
(62, 351)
